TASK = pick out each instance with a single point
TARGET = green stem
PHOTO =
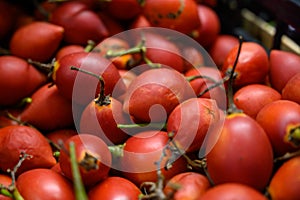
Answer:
(79, 188)
(16, 195)
(90, 46)
(152, 125)
(117, 150)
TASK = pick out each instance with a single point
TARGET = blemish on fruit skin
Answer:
(292, 135)
(55, 68)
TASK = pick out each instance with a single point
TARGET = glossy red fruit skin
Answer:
(192, 121)
(192, 57)
(279, 119)
(220, 48)
(209, 27)
(253, 97)
(141, 151)
(5, 181)
(162, 86)
(291, 89)
(161, 50)
(37, 41)
(86, 143)
(79, 22)
(118, 9)
(192, 185)
(252, 66)
(44, 184)
(60, 135)
(49, 110)
(68, 49)
(242, 154)
(102, 121)
(82, 88)
(18, 80)
(140, 22)
(16, 139)
(114, 187)
(228, 191)
(285, 182)
(178, 15)
(283, 65)
(211, 75)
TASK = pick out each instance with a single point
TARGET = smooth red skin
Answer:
(209, 27)
(79, 22)
(140, 22)
(201, 84)
(15, 89)
(192, 185)
(118, 9)
(191, 122)
(166, 87)
(291, 89)
(95, 146)
(60, 135)
(114, 187)
(37, 41)
(68, 49)
(158, 14)
(45, 6)
(86, 87)
(6, 181)
(16, 139)
(160, 50)
(220, 48)
(285, 182)
(276, 118)
(283, 66)
(49, 110)
(229, 191)
(192, 57)
(242, 154)
(44, 184)
(127, 76)
(113, 26)
(252, 66)
(102, 121)
(253, 97)
(140, 154)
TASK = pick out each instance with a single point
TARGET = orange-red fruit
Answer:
(252, 98)
(44, 184)
(236, 191)
(193, 121)
(283, 65)
(291, 89)
(16, 139)
(155, 93)
(220, 48)
(242, 153)
(93, 156)
(102, 120)
(252, 66)
(179, 15)
(285, 183)
(281, 121)
(209, 27)
(37, 41)
(114, 187)
(142, 151)
(79, 22)
(191, 185)
(18, 80)
(49, 110)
